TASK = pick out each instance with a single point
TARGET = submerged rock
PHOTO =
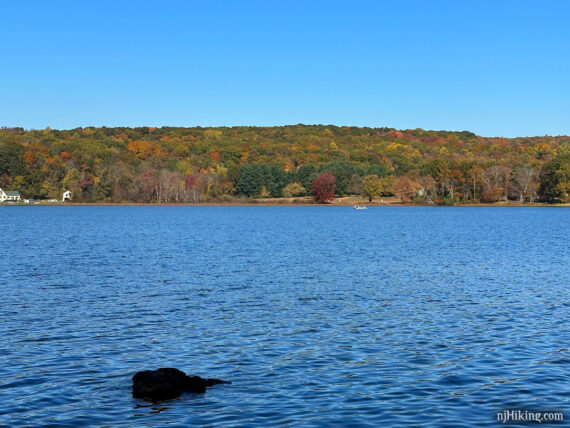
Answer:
(167, 383)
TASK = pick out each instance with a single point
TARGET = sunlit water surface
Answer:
(320, 316)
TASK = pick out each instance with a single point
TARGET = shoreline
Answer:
(281, 203)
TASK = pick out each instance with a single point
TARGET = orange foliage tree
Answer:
(405, 189)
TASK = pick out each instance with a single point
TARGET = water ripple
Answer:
(319, 316)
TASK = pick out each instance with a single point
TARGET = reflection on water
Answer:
(318, 315)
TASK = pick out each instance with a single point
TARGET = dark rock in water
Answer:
(167, 383)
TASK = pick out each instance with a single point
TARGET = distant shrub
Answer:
(293, 189)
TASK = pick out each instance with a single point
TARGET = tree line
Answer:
(194, 165)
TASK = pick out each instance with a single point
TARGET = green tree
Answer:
(250, 180)
(555, 183)
(355, 185)
(276, 181)
(306, 174)
(12, 160)
(343, 172)
(261, 180)
(377, 169)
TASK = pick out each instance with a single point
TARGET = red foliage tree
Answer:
(322, 187)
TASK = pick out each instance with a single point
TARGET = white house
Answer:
(66, 196)
(9, 195)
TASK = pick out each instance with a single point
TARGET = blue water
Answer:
(320, 316)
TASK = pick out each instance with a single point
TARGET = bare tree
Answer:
(475, 180)
(496, 183)
(427, 187)
(525, 181)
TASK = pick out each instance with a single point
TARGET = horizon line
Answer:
(4, 127)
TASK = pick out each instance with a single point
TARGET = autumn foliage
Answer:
(322, 187)
(371, 187)
(167, 164)
(405, 189)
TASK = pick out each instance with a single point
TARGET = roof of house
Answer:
(12, 193)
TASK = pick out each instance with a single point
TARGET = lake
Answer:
(320, 316)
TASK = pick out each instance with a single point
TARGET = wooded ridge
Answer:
(197, 164)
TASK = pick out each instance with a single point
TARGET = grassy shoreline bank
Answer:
(296, 202)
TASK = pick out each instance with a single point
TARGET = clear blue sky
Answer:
(497, 68)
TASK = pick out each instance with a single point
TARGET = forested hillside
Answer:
(208, 164)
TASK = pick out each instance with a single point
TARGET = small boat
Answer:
(360, 207)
